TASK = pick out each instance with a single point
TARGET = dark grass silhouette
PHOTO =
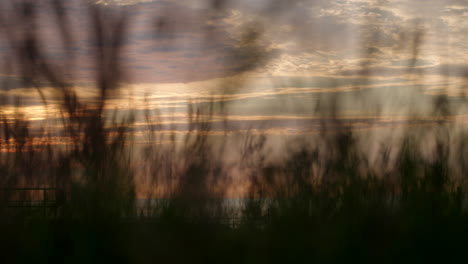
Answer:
(324, 202)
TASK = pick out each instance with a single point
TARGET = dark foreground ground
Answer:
(354, 226)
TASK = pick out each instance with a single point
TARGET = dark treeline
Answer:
(326, 200)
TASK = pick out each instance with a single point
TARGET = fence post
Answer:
(44, 202)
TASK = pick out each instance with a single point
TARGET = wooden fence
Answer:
(43, 199)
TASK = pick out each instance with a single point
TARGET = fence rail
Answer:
(20, 199)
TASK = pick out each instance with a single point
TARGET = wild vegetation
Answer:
(328, 199)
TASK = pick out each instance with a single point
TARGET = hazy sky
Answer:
(274, 63)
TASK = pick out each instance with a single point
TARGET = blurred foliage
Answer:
(323, 202)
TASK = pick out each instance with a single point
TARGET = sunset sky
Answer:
(271, 62)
